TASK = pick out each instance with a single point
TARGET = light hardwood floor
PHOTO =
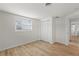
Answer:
(41, 48)
(74, 39)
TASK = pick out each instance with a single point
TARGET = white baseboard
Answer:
(16, 45)
(62, 43)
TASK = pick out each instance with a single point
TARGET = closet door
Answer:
(60, 30)
(46, 31)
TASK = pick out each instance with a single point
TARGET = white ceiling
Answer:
(39, 10)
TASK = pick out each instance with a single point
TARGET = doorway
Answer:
(74, 32)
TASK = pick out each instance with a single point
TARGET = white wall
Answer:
(10, 38)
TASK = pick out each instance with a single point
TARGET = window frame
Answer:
(26, 25)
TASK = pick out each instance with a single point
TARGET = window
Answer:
(73, 27)
(25, 24)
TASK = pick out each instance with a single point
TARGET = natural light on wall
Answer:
(24, 24)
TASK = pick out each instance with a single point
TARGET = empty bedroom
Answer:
(39, 29)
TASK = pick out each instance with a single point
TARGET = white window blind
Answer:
(25, 24)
